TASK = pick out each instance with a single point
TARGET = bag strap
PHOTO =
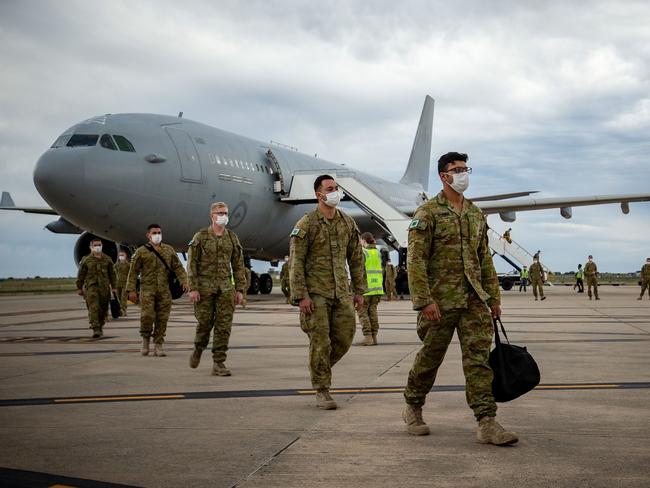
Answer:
(153, 250)
(496, 321)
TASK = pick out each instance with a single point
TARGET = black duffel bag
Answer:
(116, 310)
(515, 370)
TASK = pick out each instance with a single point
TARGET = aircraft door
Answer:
(187, 155)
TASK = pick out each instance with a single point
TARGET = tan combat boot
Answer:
(145, 346)
(219, 369)
(412, 416)
(367, 341)
(374, 339)
(491, 432)
(324, 400)
(158, 350)
(195, 358)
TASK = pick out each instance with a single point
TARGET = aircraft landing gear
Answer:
(266, 284)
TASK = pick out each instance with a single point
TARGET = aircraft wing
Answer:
(7, 203)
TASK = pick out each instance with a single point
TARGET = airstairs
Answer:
(511, 252)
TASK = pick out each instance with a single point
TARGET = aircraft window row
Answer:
(236, 163)
(107, 141)
(61, 141)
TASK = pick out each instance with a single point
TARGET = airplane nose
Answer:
(59, 177)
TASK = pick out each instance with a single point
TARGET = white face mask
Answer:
(122, 258)
(460, 182)
(156, 238)
(332, 199)
(97, 249)
(221, 220)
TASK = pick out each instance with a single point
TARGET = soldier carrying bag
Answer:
(175, 286)
(515, 370)
(115, 307)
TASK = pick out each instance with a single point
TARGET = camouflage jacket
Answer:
(213, 260)
(153, 274)
(590, 270)
(645, 272)
(536, 272)
(390, 273)
(319, 252)
(284, 274)
(122, 273)
(448, 256)
(96, 271)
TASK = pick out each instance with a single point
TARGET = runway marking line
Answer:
(118, 398)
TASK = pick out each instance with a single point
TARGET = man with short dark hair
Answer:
(155, 297)
(324, 243)
(454, 287)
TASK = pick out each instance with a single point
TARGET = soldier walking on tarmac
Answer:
(151, 263)
(645, 278)
(122, 272)
(324, 243)
(591, 273)
(95, 281)
(389, 281)
(454, 287)
(217, 281)
(284, 279)
(537, 278)
(374, 276)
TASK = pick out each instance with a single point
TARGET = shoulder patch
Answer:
(297, 232)
(417, 224)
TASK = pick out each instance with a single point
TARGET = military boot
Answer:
(195, 358)
(374, 339)
(145, 346)
(412, 417)
(491, 432)
(219, 369)
(159, 351)
(324, 400)
(96, 334)
(367, 341)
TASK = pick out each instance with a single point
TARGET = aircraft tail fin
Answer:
(417, 171)
(7, 201)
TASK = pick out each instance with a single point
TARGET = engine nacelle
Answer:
(82, 247)
(508, 216)
(566, 212)
(625, 207)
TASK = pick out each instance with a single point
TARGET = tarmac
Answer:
(81, 412)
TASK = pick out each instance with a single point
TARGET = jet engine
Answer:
(82, 247)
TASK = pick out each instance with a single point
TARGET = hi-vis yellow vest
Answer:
(374, 273)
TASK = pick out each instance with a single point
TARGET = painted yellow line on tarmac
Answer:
(118, 398)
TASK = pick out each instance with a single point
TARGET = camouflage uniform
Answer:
(590, 277)
(155, 298)
(122, 273)
(320, 250)
(645, 279)
(284, 281)
(449, 263)
(213, 260)
(389, 282)
(96, 277)
(246, 288)
(536, 274)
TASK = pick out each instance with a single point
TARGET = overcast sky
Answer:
(543, 97)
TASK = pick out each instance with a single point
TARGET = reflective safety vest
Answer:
(524, 273)
(579, 274)
(374, 273)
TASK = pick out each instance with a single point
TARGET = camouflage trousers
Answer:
(330, 328)
(645, 285)
(285, 290)
(97, 300)
(368, 315)
(214, 311)
(592, 281)
(122, 297)
(474, 328)
(391, 294)
(155, 307)
(538, 286)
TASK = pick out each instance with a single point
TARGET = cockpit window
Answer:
(124, 144)
(107, 141)
(61, 141)
(83, 140)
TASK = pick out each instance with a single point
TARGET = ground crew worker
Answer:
(374, 276)
(155, 297)
(247, 286)
(122, 272)
(284, 279)
(645, 278)
(537, 278)
(579, 283)
(591, 271)
(453, 286)
(523, 279)
(218, 283)
(322, 243)
(95, 281)
(506, 236)
(389, 281)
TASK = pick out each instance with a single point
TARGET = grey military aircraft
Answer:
(112, 175)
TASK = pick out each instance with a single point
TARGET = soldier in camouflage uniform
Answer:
(122, 272)
(217, 282)
(322, 243)
(389, 281)
(454, 287)
(95, 281)
(590, 277)
(645, 278)
(537, 278)
(284, 279)
(155, 297)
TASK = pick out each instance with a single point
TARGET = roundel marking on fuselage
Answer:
(237, 215)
